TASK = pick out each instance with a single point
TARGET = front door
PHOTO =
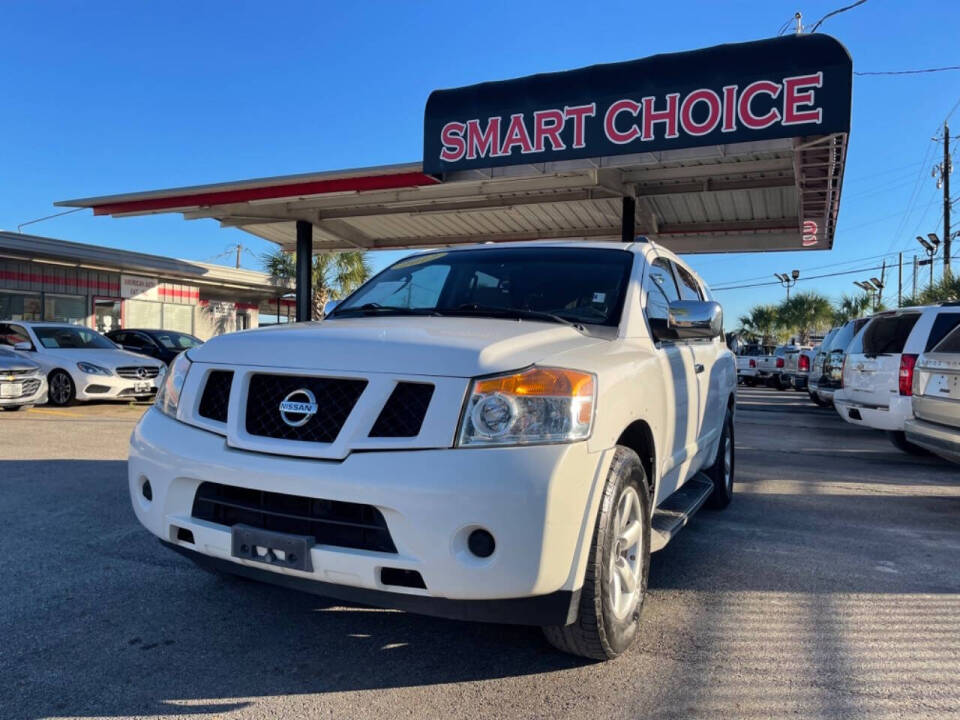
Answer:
(106, 314)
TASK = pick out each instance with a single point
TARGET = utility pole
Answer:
(947, 169)
(239, 248)
(942, 173)
(900, 280)
(915, 269)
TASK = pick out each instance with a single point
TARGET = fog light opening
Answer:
(146, 490)
(185, 535)
(481, 543)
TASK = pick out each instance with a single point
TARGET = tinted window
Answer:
(584, 285)
(942, 324)
(661, 290)
(951, 343)
(846, 334)
(76, 338)
(689, 289)
(887, 334)
(13, 334)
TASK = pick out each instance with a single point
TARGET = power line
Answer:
(910, 72)
(835, 12)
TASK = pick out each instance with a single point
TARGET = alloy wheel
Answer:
(626, 556)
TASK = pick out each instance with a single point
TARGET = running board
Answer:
(675, 512)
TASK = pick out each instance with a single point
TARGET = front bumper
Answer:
(939, 439)
(538, 502)
(36, 397)
(114, 387)
(890, 417)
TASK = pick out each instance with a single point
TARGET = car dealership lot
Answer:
(829, 588)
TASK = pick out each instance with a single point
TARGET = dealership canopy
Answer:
(733, 148)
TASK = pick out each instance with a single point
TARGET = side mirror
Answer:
(23, 346)
(691, 320)
(329, 306)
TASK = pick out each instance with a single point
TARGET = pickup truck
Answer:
(748, 363)
(797, 362)
(770, 368)
(501, 433)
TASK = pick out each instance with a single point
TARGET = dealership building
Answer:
(47, 279)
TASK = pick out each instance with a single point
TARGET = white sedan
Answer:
(81, 364)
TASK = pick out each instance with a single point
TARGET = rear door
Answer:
(871, 375)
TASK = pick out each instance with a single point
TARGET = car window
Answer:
(885, 334)
(942, 324)
(951, 343)
(583, 285)
(13, 334)
(72, 337)
(843, 337)
(660, 288)
(176, 341)
(689, 289)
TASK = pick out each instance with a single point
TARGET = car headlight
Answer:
(536, 406)
(92, 369)
(168, 396)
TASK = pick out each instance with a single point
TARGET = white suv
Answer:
(879, 364)
(499, 433)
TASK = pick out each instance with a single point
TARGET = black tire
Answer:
(62, 391)
(14, 408)
(598, 633)
(899, 439)
(781, 385)
(719, 473)
(750, 382)
(815, 399)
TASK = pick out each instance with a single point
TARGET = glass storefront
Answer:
(142, 314)
(65, 308)
(20, 306)
(178, 317)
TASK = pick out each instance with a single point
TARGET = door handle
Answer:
(698, 367)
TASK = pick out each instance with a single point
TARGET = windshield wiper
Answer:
(517, 313)
(378, 309)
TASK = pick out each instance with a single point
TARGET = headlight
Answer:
(92, 369)
(539, 405)
(168, 396)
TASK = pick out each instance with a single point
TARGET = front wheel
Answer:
(615, 583)
(62, 390)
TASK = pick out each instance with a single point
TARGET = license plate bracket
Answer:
(272, 548)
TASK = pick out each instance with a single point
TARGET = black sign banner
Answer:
(784, 87)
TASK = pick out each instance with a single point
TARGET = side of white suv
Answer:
(498, 433)
(879, 365)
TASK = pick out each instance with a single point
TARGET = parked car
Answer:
(571, 405)
(164, 345)
(879, 365)
(935, 425)
(771, 369)
(80, 363)
(797, 362)
(816, 370)
(748, 372)
(832, 377)
(22, 384)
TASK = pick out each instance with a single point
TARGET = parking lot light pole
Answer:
(930, 248)
(788, 281)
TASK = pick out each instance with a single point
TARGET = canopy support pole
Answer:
(304, 261)
(628, 229)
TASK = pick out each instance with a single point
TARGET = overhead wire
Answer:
(819, 22)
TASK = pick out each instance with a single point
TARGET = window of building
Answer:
(178, 317)
(20, 306)
(65, 308)
(143, 314)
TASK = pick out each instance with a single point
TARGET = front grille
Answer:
(335, 398)
(27, 388)
(215, 400)
(329, 522)
(145, 372)
(19, 373)
(403, 413)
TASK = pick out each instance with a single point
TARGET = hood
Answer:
(110, 359)
(14, 362)
(438, 346)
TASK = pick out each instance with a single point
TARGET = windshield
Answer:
(175, 340)
(577, 285)
(74, 338)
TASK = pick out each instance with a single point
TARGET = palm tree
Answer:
(805, 312)
(945, 290)
(760, 323)
(333, 275)
(851, 307)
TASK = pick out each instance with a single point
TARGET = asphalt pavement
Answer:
(830, 588)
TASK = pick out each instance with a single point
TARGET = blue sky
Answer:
(109, 97)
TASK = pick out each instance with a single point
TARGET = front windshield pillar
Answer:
(304, 262)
